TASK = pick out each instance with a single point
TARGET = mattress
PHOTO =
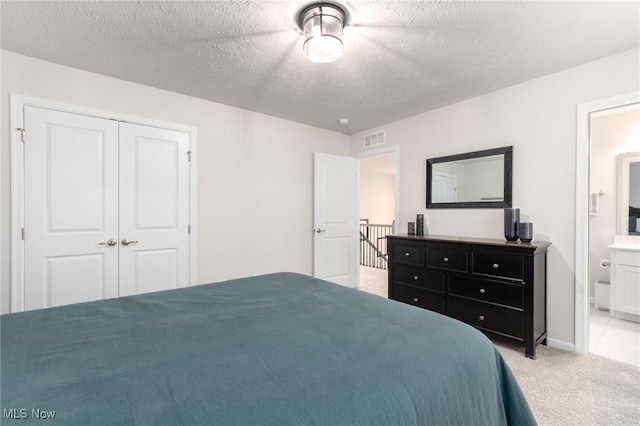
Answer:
(274, 349)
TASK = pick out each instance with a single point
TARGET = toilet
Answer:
(601, 300)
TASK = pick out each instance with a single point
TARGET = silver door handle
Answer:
(126, 242)
(110, 243)
(319, 231)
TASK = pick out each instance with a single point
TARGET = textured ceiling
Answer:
(401, 57)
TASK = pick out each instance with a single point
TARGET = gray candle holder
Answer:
(411, 228)
(525, 231)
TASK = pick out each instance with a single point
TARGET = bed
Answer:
(275, 349)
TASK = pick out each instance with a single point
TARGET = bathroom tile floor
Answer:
(614, 338)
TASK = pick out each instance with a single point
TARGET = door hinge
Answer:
(22, 132)
(189, 229)
(189, 155)
(22, 233)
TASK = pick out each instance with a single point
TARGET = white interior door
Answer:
(335, 216)
(71, 208)
(154, 209)
(444, 188)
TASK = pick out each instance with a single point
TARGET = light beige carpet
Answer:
(564, 388)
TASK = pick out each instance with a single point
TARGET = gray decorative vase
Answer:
(511, 221)
(525, 232)
(420, 224)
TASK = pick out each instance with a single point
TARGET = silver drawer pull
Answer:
(407, 254)
(482, 291)
(496, 266)
(481, 317)
(416, 278)
(415, 299)
(446, 259)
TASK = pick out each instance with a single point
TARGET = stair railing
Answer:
(373, 244)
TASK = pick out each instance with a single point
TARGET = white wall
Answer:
(611, 134)
(538, 118)
(254, 171)
(377, 197)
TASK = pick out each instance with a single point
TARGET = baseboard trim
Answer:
(560, 344)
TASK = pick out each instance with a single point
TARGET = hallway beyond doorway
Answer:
(373, 280)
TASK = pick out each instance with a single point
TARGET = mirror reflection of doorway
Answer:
(614, 132)
(378, 196)
(444, 188)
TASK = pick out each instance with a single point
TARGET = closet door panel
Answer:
(154, 209)
(71, 208)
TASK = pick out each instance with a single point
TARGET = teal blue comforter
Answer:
(280, 349)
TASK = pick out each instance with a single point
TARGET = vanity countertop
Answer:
(625, 246)
(625, 242)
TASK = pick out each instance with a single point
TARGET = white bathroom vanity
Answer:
(625, 278)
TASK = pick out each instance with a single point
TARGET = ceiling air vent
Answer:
(374, 139)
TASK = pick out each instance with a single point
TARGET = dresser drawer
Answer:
(487, 291)
(433, 280)
(419, 297)
(487, 317)
(498, 265)
(447, 258)
(412, 255)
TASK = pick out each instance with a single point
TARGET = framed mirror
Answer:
(480, 179)
(628, 194)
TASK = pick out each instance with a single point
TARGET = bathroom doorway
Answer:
(378, 202)
(613, 131)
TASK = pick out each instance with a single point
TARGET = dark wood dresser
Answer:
(499, 287)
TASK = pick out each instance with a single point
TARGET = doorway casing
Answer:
(583, 149)
(395, 149)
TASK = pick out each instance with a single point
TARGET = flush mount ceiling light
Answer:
(322, 24)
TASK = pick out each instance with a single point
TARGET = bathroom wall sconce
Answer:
(322, 24)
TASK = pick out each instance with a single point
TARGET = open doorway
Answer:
(583, 188)
(614, 328)
(378, 203)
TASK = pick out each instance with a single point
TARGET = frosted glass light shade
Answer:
(323, 48)
(322, 25)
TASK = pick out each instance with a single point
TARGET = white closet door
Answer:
(154, 209)
(71, 208)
